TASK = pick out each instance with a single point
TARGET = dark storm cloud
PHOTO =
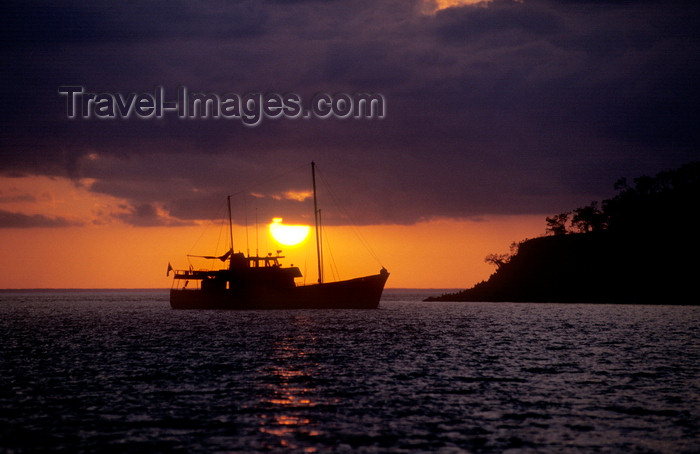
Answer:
(516, 107)
(56, 23)
(146, 215)
(10, 220)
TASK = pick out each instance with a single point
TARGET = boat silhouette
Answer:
(262, 282)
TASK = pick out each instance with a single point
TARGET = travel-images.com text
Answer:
(249, 108)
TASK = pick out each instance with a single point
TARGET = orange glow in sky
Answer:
(94, 249)
(435, 5)
(57, 197)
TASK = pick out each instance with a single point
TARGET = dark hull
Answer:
(360, 293)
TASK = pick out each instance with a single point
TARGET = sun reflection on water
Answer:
(290, 395)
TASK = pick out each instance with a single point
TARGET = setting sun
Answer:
(288, 235)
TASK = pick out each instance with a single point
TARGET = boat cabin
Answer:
(243, 272)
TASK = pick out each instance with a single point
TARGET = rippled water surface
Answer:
(91, 371)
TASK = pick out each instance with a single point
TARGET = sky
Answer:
(490, 116)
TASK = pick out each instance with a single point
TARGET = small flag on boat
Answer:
(170, 268)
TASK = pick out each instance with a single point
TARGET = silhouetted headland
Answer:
(641, 246)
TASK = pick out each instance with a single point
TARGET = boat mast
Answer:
(318, 235)
(230, 222)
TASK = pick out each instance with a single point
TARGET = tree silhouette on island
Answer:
(641, 246)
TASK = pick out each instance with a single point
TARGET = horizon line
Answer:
(152, 289)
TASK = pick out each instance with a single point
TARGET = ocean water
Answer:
(122, 372)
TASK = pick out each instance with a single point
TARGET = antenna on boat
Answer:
(230, 222)
(318, 237)
(320, 241)
(247, 234)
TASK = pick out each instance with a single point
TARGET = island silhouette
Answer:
(640, 246)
